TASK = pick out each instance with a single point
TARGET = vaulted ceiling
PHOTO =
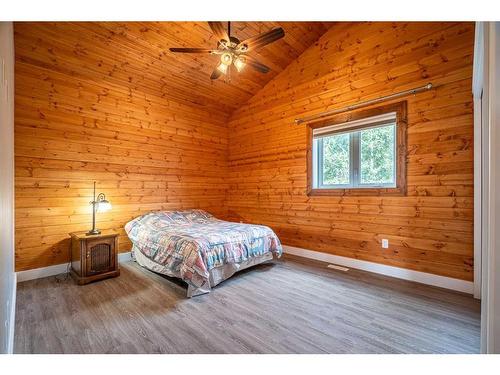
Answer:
(137, 54)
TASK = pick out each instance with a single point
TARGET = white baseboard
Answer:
(57, 269)
(12, 320)
(400, 273)
(38, 273)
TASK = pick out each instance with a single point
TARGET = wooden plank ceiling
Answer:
(147, 64)
(195, 70)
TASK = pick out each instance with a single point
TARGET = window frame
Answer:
(400, 108)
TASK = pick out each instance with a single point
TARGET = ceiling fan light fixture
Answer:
(232, 51)
(239, 63)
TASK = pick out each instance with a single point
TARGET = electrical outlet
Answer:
(385, 243)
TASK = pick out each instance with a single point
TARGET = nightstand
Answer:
(94, 257)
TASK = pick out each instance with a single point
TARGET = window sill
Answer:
(357, 192)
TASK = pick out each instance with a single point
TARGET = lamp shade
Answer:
(239, 63)
(222, 68)
(103, 206)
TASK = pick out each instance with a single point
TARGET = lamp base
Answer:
(93, 232)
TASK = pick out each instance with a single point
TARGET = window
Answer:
(361, 153)
(356, 158)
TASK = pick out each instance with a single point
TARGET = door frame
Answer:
(486, 90)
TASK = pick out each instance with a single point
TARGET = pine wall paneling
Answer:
(431, 228)
(107, 101)
(104, 102)
(90, 107)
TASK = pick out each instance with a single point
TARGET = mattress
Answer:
(199, 248)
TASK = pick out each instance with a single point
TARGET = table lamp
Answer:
(99, 204)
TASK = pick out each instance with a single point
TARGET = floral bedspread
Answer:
(191, 243)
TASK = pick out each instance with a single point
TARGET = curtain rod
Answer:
(299, 121)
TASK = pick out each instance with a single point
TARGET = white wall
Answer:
(7, 275)
(490, 180)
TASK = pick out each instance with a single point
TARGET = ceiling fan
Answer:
(234, 52)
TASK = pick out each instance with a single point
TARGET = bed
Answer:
(198, 248)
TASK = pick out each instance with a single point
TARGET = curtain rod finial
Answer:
(428, 86)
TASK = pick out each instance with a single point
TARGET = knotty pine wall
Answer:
(430, 229)
(81, 117)
(86, 110)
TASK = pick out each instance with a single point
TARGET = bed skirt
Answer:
(217, 274)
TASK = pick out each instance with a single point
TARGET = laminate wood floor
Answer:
(289, 306)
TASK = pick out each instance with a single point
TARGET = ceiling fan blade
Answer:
(191, 50)
(258, 66)
(262, 40)
(219, 30)
(216, 74)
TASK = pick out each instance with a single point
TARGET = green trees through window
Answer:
(336, 159)
(358, 158)
(376, 150)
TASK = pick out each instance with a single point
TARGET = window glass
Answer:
(377, 155)
(336, 160)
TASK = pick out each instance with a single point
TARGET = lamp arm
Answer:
(93, 203)
(100, 197)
